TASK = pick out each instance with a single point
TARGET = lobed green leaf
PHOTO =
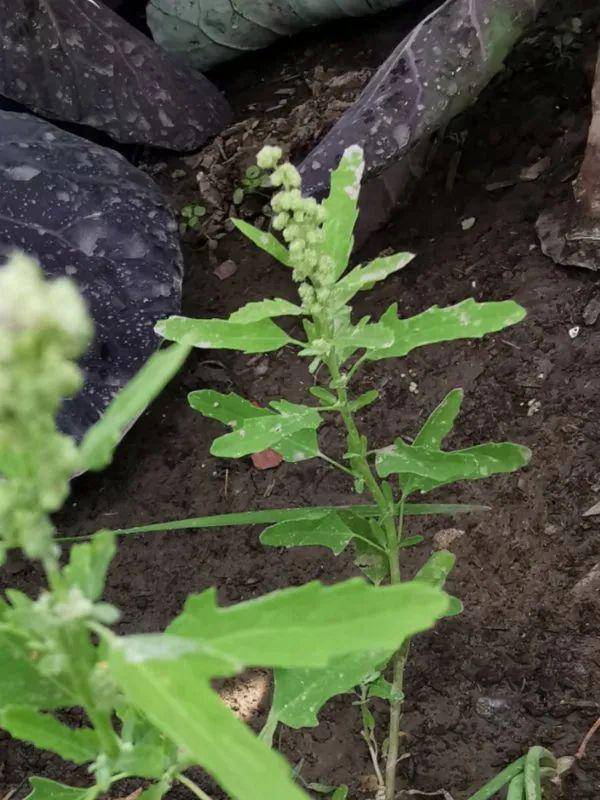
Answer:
(309, 625)
(429, 469)
(329, 530)
(288, 428)
(465, 320)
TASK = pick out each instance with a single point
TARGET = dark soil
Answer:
(521, 665)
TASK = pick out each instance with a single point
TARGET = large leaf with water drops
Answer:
(466, 320)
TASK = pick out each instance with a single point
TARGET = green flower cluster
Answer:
(300, 221)
(44, 327)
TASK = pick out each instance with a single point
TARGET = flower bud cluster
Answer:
(300, 221)
(44, 327)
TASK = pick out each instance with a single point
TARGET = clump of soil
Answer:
(521, 665)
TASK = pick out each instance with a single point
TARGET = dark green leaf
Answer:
(465, 320)
(364, 400)
(101, 440)
(266, 241)
(220, 334)
(329, 531)
(88, 564)
(410, 541)
(79, 745)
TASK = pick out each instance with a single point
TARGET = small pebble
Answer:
(574, 331)
(467, 224)
(226, 269)
(592, 311)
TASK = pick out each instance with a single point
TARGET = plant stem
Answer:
(398, 677)
(393, 533)
(369, 738)
(193, 787)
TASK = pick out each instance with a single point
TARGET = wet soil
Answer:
(521, 665)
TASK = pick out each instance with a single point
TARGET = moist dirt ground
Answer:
(521, 665)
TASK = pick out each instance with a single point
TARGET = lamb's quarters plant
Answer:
(146, 702)
(315, 240)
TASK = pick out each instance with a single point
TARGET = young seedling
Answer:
(145, 702)
(255, 178)
(315, 242)
(191, 214)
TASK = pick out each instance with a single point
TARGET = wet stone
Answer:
(84, 212)
(80, 62)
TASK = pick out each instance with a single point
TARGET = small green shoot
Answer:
(191, 215)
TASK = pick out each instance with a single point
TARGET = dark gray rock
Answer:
(85, 212)
(434, 73)
(78, 61)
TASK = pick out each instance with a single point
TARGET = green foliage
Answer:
(191, 214)
(316, 243)
(147, 704)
